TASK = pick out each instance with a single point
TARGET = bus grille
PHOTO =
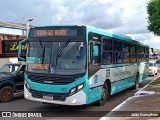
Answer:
(56, 96)
(50, 79)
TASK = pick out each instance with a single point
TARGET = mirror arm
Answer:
(20, 49)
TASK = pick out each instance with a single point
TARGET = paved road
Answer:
(70, 112)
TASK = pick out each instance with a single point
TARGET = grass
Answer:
(155, 83)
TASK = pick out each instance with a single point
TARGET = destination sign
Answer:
(51, 32)
(54, 31)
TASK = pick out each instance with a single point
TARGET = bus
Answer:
(77, 65)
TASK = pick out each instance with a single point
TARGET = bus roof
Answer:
(102, 32)
(114, 35)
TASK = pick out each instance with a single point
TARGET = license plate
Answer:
(48, 97)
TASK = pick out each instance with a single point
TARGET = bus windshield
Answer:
(64, 58)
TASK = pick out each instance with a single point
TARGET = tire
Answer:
(157, 72)
(6, 94)
(136, 86)
(154, 73)
(104, 97)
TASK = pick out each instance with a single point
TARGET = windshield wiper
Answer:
(42, 51)
(40, 43)
(40, 46)
(43, 54)
(60, 52)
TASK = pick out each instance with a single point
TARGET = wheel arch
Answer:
(10, 84)
(108, 82)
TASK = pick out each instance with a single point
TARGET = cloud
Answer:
(133, 17)
(122, 16)
(21, 10)
(103, 14)
(90, 13)
(147, 38)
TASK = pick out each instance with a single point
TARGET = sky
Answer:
(117, 16)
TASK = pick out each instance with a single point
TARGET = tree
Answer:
(153, 10)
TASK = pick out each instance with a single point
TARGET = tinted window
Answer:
(107, 51)
(151, 64)
(9, 68)
(125, 50)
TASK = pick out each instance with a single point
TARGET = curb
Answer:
(143, 92)
(135, 95)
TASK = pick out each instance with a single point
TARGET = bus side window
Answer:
(107, 51)
(96, 59)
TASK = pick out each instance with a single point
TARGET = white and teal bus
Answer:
(76, 65)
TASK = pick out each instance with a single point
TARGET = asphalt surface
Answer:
(54, 112)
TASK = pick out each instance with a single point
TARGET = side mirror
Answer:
(20, 49)
(95, 51)
(21, 73)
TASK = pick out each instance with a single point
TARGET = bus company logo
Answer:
(64, 89)
(108, 73)
(48, 82)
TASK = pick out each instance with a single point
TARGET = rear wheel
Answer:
(6, 94)
(154, 73)
(157, 72)
(105, 95)
(136, 86)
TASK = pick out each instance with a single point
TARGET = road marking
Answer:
(121, 104)
(117, 107)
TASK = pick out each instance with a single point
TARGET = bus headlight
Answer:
(27, 85)
(73, 90)
(76, 89)
(81, 86)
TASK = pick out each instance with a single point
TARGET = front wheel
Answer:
(105, 95)
(6, 94)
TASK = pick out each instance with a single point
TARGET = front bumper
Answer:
(77, 99)
(151, 72)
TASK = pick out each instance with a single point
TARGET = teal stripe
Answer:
(116, 65)
(55, 88)
(143, 76)
(122, 85)
(94, 94)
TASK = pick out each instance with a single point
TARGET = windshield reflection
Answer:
(58, 58)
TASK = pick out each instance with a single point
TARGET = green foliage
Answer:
(153, 10)
(155, 83)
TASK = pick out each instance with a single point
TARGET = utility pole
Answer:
(28, 26)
